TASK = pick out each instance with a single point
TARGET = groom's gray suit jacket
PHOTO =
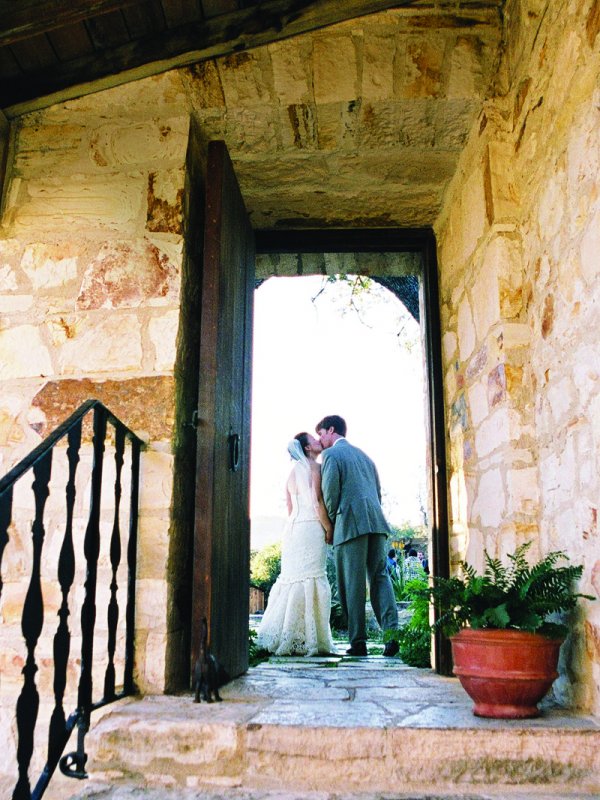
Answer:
(351, 492)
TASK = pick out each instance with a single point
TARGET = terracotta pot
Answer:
(506, 672)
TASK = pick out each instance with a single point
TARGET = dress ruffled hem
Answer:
(296, 620)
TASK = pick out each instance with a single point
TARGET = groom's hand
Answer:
(328, 537)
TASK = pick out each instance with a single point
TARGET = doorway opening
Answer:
(403, 261)
(343, 344)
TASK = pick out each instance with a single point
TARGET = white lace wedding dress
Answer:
(296, 620)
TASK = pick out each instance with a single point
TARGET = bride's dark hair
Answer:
(303, 439)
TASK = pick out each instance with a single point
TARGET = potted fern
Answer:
(504, 646)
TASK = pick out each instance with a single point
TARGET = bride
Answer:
(296, 620)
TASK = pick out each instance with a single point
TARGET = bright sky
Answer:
(318, 358)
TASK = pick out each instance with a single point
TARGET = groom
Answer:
(352, 496)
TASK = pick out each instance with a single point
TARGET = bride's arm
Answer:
(321, 510)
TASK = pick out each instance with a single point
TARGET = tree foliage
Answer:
(265, 566)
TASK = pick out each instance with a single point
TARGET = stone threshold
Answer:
(340, 726)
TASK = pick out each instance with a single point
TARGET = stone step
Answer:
(335, 728)
(104, 792)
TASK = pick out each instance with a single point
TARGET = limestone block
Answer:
(151, 605)
(420, 67)
(465, 329)
(473, 218)
(112, 204)
(490, 501)
(449, 344)
(523, 490)
(52, 148)
(8, 278)
(586, 372)
(560, 396)
(298, 124)
(465, 78)
(126, 274)
(290, 77)
(377, 68)
(496, 385)
(329, 126)
(485, 300)
(244, 79)
(156, 480)
(478, 402)
(589, 249)
(552, 205)
(144, 404)
(494, 432)
(162, 93)
(50, 266)
(163, 334)
(249, 130)
(101, 343)
(515, 335)
(154, 660)
(23, 353)
(334, 69)
(165, 202)
(15, 303)
(501, 194)
(203, 83)
(119, 144)
(452, 120)
(153, 543)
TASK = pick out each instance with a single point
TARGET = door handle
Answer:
(234, 451)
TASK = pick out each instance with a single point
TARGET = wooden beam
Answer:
(271, 21)
(27, 18)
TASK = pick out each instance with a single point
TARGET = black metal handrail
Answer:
(40, 462)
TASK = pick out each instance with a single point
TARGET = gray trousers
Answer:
(365, 556)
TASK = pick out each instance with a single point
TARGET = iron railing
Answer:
(80, 537)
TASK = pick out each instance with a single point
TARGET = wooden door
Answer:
(221, 570)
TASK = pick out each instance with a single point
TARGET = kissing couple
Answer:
(338, 503)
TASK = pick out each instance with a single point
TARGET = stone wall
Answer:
(91, 261)
(519, 239)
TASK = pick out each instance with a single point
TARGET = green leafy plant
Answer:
(518, 595)
(256, 654)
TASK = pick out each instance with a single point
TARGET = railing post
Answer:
(40, 460)
(74, 763)
(31, 625)
(129, 685)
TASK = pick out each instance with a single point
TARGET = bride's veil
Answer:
(301, 466)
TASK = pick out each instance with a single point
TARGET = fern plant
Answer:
(516, 595)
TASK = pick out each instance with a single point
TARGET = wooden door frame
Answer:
(399, 240)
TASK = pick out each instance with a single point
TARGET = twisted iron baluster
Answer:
(5, 518)
(129, 686)
(115, 560)
(62, 640)
(73, 764)
(31, 624)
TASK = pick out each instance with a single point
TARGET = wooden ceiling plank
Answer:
(180, 12)
(26, 18)
(108, 30)
(223, 35)
(71, 42)
(34, 54)
(9, 66)
(145, 19)
(212, 8)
